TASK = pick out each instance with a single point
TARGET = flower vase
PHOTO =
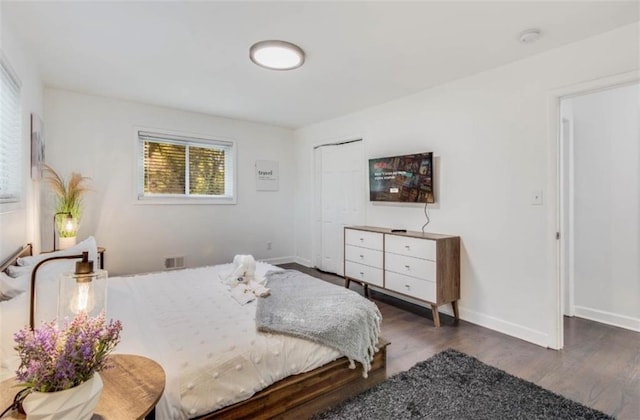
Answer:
(66, 242)
(73, 403)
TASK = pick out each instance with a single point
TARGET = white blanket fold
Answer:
(306, 307)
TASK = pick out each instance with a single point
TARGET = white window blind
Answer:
(10, 144)
(172, 166)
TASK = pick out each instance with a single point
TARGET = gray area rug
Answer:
(452, 385)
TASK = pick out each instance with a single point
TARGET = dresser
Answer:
(422, 266)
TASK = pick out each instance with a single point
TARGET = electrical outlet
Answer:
(269, 245)
(536, 198)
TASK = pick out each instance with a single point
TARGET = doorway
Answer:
(599, 212)
(339, 200)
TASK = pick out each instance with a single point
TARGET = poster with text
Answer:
(266, 175)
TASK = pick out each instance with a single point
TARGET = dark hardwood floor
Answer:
(599, 366)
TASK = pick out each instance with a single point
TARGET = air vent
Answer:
(173, 263)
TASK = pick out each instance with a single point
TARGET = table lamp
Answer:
(81, 291)
(84, 290)
(68, 225)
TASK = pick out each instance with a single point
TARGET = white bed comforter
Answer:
(206, 342)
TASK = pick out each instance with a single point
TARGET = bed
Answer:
(217, 365)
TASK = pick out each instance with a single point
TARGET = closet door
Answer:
(342, 193)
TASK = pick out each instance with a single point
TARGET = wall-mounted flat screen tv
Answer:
(405, 179)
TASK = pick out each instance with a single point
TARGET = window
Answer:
(10, 142)
(175, 168)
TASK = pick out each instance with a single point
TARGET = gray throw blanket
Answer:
(306, 307)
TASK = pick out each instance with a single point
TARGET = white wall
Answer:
(18, 221)
(489, 132)
(607, 215)
(95, 136)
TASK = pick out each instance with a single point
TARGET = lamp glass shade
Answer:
(82, 293)
(69, 226)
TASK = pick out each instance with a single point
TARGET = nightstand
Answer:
(131, 389)
(101, 251)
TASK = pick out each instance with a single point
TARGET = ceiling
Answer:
(195, 55)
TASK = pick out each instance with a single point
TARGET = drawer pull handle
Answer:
(361, 239)
(407, 246)
(362, 274)
(407, 287)
(361, 256)
(408, 267)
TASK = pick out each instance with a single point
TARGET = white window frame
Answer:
(177, 137)
(11, 147)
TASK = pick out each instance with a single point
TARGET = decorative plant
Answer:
(68, 196)
(52, 359)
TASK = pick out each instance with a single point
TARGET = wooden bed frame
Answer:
(303, 395)
(298, 396)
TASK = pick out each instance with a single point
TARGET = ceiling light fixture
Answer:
(276, 55)
(530, 35)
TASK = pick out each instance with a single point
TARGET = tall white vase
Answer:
(64, 243)
(75, 403)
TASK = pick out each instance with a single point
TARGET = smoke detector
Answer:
(529, 36)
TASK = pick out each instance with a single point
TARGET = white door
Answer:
(341, 191)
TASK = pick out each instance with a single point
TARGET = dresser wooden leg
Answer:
(454, 305)
(436, 315)
(347, 282)
(366, 290)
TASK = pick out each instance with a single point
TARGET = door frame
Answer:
(566, 213)
(554, 125)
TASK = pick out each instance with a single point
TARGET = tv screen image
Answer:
(406, 179)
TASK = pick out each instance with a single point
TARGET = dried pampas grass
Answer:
(68, 195)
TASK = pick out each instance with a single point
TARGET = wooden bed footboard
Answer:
(303, 395)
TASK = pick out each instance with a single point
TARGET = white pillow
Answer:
(18, 271)
(14, 316)
(88, 244)
(10, 287)
(47, 288)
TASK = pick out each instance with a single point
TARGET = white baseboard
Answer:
(303, 261)
(509, 328)
(608, 318)
(515, 330)
(279, 260)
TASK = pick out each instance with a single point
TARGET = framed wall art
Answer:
(37, 147)
(266, 175)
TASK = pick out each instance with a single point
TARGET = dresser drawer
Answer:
(364, 239)
(413, 247)
(409, 266)
(366, 256)
(363, 272)
(420, 289)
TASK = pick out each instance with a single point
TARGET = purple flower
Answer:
(53, 360)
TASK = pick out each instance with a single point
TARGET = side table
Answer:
(131, 389)
(101, 257)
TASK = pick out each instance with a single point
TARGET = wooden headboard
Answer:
(26, 251)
